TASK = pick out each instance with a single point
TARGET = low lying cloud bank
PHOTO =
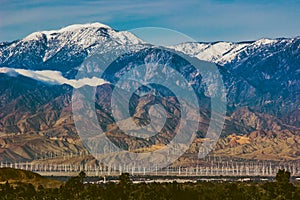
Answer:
(53, 77)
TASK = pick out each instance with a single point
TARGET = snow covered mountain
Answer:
(225, 52)
(263, 72)
(267, 66)
(62, 50)
(262, 79)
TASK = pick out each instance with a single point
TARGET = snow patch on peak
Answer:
(218, 52)
(225, 52)
(33, 36)
(265, 41)
(72, 28)
(76, 27)
(125, 37)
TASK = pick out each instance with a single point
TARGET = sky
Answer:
(207, 20)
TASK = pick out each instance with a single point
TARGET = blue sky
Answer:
(207, 20)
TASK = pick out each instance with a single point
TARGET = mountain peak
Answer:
(68, 29)
(74, 27)
(78, 27)
(70, 44)
(223, 53)
(265, 41)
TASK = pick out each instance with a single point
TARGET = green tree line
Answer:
(75, 188)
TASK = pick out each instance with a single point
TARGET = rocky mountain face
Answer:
(266, 72)
(262, 81)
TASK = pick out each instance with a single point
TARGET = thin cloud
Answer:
(53, 77)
